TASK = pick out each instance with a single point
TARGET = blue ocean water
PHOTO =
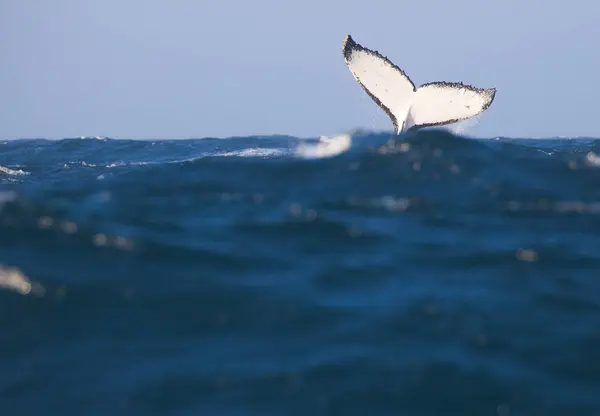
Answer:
(434, 275)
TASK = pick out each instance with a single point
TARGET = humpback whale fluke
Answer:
(408, 106)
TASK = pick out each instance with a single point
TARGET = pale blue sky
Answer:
(183, 68)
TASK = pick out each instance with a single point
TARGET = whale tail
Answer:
(408, 106)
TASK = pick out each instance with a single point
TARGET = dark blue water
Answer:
(436, 275)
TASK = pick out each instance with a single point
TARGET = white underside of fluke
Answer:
(409, 107)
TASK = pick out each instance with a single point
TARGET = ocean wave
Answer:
(459, 271)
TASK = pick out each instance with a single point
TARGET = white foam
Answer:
(326, 147)
(142, 163)
(249, 152)
(253, 152)
(9, 171)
